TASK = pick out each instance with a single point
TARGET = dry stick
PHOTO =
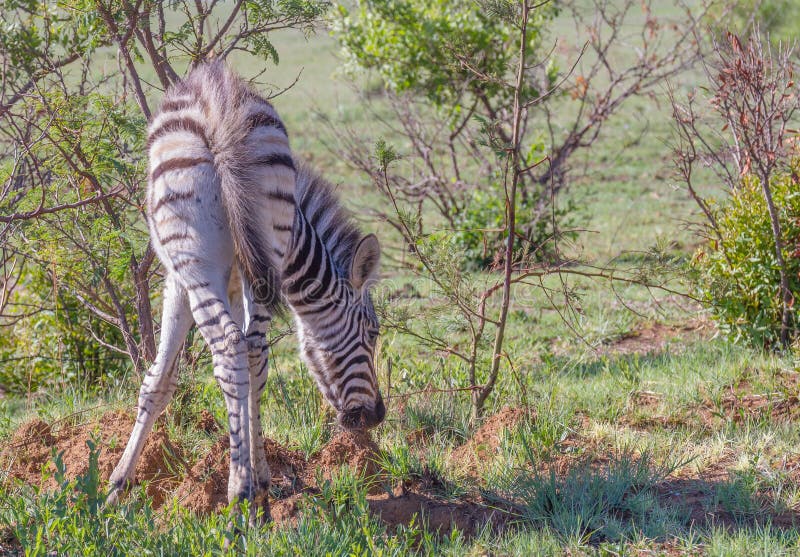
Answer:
(49, 210)
(125, 51)
(479, 397)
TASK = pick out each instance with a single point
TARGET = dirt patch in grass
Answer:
(31, 449)
(777, 407)
(485, 443)
(202, 487)
(354, 449)
(654, 337)
(737, 403)
(440, 516)
(696, 497)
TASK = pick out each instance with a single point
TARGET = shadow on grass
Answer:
(630, 497)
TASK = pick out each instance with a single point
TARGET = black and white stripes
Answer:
(240, 230)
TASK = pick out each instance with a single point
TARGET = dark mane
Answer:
(318, 202)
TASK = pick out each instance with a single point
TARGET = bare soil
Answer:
(655, 337)
(485, 443)
(202, 486)
(33, 444)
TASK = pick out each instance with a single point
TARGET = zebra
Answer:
(243, 231)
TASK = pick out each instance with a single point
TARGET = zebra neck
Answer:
(310, 277)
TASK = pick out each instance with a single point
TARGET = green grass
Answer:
(622, 454)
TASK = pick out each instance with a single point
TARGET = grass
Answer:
(641, 453)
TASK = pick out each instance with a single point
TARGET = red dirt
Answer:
(205, 487)
(737, 403)
(485, 443)
(30, 452)
(206, 422)
(740, 403)
(354, 449)
(440, 516)
(655, 337)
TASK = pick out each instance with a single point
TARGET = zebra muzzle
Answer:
(363, 417)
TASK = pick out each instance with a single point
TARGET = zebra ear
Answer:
(367, 255)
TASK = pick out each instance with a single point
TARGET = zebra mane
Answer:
(318, 202)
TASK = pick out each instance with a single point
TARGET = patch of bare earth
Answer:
(740, 403)
(484, 445)
(202, 487)
(354, 449)
(655, 337)
(31, 449)
(696, 497)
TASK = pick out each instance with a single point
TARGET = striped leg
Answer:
(257, 322)
(159, 382)
(212, 313)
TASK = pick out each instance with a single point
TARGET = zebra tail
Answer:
(230, 100)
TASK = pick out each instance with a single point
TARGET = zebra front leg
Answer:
(158, 385)
(257, 322)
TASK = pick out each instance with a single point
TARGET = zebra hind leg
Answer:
(257, 321)
(212, 313)
(158, 385)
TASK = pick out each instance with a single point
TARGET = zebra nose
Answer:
(363, 417)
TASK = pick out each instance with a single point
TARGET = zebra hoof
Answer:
(260, 516)
(115, 492)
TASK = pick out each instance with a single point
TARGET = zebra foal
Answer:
(241, 230)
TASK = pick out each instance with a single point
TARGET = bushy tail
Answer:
(232, 109)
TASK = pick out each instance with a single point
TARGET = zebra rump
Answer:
(231, 110)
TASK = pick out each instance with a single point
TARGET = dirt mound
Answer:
(440, 516)
(485, 443)
(31, 448)
(286, 510)
(205, 487)
(206, 422)
(354, 449)
(32, 432)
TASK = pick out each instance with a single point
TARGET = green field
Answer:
(633, 429)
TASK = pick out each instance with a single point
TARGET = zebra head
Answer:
(338, 341)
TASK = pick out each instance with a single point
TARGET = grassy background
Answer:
(662, 439)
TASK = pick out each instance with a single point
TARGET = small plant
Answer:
(538, 436)
(739, 497)
(439, 415)
(738, 272)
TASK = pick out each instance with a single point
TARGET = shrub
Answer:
(737, 272)
(478, 235)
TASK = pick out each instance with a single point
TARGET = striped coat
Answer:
(242, 231)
